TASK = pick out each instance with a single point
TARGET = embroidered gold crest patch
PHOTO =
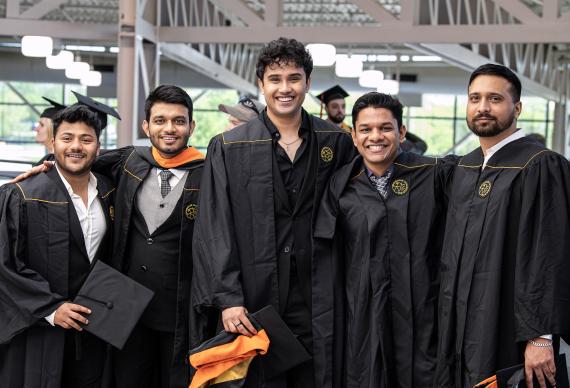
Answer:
(191, 211)
(400, 187)
(112, 213)
(327, 154)
(485, 189)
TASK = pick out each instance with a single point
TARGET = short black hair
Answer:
(499, 71)
(378, 100)
(79, 113)
(284, 51)
(171, 95)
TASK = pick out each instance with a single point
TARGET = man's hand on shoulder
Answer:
(45, 167)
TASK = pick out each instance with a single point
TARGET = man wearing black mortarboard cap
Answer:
(333, 101)
(157, 203)
(53, 226)
(44, 128)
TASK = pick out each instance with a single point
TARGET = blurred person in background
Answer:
(246, 109)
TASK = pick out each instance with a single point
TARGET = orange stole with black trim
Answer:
(224, 361)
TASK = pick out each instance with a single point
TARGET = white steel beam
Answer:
(193, 59)
(375, 11)
(61, 30)
(468, 60)
(550, 10)
(239, 9)
(274, 12)
(12, 8)
(40, 9)
(519, 10)
(555, 32)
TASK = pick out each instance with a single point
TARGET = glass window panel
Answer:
(438, 134)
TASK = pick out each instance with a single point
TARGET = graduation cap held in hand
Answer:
(101, 109)
(227, 356)
(513, 377)
(116, 302)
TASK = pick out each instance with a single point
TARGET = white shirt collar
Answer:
(519, 133)
(92, 186)
(178, 173)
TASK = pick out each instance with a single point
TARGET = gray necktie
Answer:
(164, 184)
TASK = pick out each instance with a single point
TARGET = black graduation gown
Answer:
(235, 247)
(37, 221)
(128, 167)
(375, 275)
(505, 266)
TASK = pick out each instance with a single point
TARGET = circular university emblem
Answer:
(191, 211)
(327, 154)
(112, 213)
(400, 187)
(485, 189)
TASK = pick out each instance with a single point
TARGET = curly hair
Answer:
(79, 113)
(284, 51)
(378, 100)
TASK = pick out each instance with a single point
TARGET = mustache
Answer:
(484, 116)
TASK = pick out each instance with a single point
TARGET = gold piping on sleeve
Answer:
(357, 175)
(40, 200)
(519, 167)
(125, 167)
(108, 193)
(417, 166)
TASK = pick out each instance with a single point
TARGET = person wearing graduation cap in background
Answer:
(44, 128)
(245, 110)
(52, 227)
(333, 101)
(253, 236)
(505, 292)
(378, 237)
(156, 205)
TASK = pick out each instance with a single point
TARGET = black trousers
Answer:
(83, 360)
(297, 316)
(146, 361)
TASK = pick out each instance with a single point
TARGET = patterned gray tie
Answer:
(164, 184)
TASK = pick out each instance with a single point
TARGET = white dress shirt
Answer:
(519, 133)
(177, 174)
(91, 218)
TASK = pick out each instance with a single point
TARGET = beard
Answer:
(490, 128)
(337, 119)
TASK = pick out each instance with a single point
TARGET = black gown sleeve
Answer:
(25, 296)
(542, 286)
(444, 178)
(327, 295)
(217, 269)
(110, 163)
